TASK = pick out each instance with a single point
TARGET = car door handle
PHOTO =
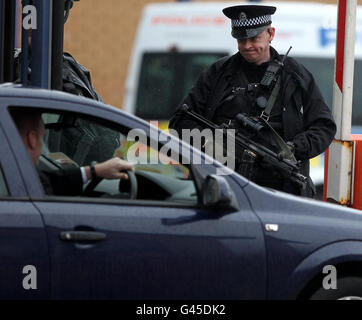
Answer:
(82, 236)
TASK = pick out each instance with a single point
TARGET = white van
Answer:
(175, 41)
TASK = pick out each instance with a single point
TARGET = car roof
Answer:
(18, 90)
(12, 90)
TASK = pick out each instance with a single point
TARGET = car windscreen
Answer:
(165, 78)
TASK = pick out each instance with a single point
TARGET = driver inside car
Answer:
(69, 181)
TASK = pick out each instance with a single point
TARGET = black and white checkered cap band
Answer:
(251, 22)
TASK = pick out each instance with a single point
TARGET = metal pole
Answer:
(41, 45)
(340, 157)
(344, 68)
(9, 41)
(57, 46)
(2, 25)
(24, 62)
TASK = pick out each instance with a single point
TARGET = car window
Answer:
(72, 141)
(3, 188)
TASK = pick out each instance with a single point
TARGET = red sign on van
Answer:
(196, 20)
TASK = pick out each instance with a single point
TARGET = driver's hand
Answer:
(111, 169)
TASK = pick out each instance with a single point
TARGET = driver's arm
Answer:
(69, 182)
(110, 169)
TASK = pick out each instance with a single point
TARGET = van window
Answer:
(323, 72)
(166, 78)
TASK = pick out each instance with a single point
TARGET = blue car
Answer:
(177, 230)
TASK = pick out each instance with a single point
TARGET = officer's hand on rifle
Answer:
(282, 154)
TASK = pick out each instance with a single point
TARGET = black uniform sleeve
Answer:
(319, 125)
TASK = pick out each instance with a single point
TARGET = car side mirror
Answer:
(217, 194)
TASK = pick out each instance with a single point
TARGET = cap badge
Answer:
(243, 17)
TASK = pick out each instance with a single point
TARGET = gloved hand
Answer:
(282, 154)
(291, 146)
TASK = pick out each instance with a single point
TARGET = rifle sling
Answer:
(265, 115)
(273, 97)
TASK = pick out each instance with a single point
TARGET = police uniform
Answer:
(232, 85)
(86, 141)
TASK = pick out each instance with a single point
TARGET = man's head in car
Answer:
(31, 128)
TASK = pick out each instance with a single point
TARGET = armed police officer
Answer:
(257, 81)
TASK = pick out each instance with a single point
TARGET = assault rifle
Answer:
(248, 151)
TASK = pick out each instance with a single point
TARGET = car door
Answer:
(149, 248)
(24, 259)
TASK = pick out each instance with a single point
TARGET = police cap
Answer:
(248, 21)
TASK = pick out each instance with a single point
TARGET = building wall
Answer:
(100, 34)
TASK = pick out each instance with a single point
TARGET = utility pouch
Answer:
(247, 164)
